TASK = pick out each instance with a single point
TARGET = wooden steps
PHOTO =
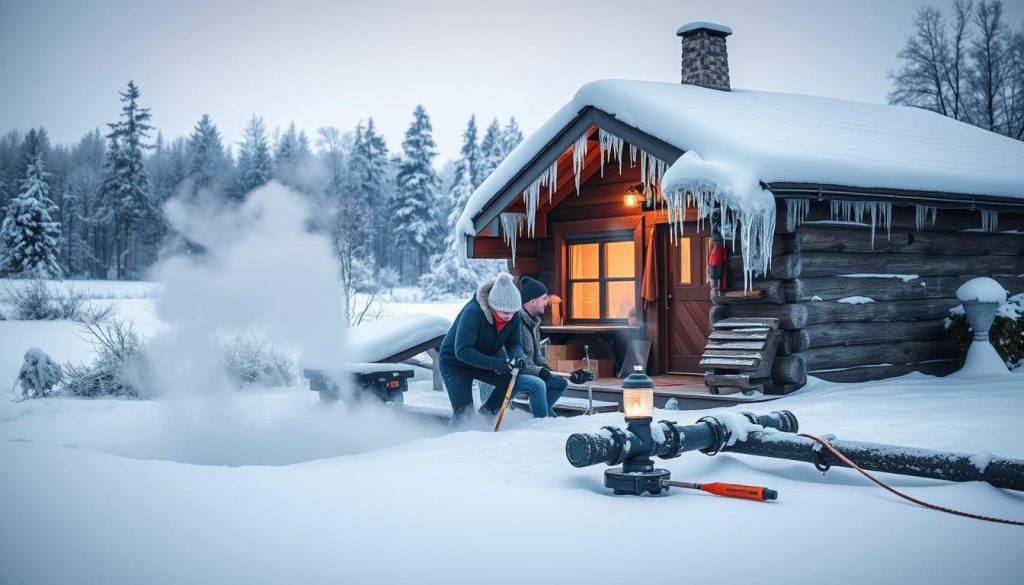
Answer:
(739, 354)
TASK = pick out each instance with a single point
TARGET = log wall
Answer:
(911, 276)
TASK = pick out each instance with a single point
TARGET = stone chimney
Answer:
(705, 61)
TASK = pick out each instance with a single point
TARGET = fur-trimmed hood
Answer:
(483, 293)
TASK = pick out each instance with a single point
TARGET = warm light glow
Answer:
(630, 200)
(638, 402)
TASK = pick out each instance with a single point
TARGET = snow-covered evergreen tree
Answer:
(415, 207)
(208, 163)
(126, 188)
(31, 239)
(369, 170)
(492, 152)
(451, 273)
(511, 136)
(292, 160)
(255, 165)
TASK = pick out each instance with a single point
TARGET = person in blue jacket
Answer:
(484, 343)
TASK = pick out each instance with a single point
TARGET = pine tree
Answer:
(208, 164)
(255, 166)
(30, 237)
(291, 160)
(415, 207)
(451, 273)
(511, 136)
(368, 173)
(492, 152)
(126, 188)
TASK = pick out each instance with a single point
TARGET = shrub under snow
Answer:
(35, 300)
(120, 368)
(249, 359)
(39, 373)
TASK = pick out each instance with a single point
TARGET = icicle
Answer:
(756, 228)
(796, 212)
(632, 156)
(552, 179)
(989, 220)
(880, 212)
(579, 153)
(611, 145)
(511, 229)
(651, 171)
(921, 215)
(531, 197)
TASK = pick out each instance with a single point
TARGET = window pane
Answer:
(583, 260)
(585, 300)
(685, 270)
(621, 298)
(619, 260)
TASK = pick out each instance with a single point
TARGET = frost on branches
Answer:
(30, 236)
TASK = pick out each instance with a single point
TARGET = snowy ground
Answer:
(267, 486)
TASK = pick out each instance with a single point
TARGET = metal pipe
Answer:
(711, 435)
(614, 445)
(998, 471)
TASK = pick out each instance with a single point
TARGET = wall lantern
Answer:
(634, 195)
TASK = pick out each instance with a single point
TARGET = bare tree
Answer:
(987, 75)
(1013, 92)
(922, 80)
(956, 64)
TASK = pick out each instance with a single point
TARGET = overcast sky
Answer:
(331, 63)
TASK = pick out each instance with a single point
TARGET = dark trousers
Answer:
(459, 383)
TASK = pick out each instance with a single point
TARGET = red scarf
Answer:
(498, 322)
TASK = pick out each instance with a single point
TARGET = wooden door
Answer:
(688, 298)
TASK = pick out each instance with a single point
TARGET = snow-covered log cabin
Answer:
(849, 226)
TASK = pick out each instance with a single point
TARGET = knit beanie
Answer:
(504, 295)
(531, 288)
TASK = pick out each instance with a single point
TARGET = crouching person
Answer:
(535, 302)
(484, 344)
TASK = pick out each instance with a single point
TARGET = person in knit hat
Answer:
(484, 343)
(535, 302)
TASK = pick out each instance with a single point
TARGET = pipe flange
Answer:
(818, 454)
(621, 441)
(673, 438)
(719, 430)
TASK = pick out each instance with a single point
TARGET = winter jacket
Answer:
(531, 344)
(474, 342)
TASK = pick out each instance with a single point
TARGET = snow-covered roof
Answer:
(379, 340)
(769, 137)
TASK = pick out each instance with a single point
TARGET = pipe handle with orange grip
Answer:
(729, 490)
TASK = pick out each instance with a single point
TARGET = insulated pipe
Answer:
(998, 471)
(614, 445)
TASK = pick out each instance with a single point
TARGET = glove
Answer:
(517, 362)
(580, 377)
(544, 374)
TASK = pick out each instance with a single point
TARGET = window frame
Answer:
(601, 280)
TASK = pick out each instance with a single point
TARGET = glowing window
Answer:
(685, 267)
(602, 280)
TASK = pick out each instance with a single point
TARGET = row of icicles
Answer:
(651, 171)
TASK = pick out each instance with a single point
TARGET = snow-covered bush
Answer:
(1006, 334)
(33, 300)
(249, 359)
(39, 373)
(120, 369)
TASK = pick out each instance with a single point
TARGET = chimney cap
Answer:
(711, 27)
